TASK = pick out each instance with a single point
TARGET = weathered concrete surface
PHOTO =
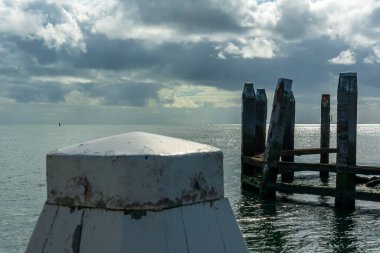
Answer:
(136, 192)
(44, 224)
(202, 227)
(134, 171)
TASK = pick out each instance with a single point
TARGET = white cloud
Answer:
(188, 96)
(67, 33)
(346, 57)
(68, 80)
(263, 28)
(17, 19)
(348, 20)
(269, 25)
(252, 48)
(374, 57)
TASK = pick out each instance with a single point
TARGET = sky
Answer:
(180, 62)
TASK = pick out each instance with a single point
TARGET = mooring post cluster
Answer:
(260, 168)
(136, 192)
(254, 113)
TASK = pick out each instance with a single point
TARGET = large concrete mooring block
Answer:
(136, 192)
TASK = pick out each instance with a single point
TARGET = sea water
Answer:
(294, 223)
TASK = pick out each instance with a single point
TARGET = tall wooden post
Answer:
(275, 137)
(248, 126)
(325, 133)
(261, 120)
(346, 140)
(288, 143)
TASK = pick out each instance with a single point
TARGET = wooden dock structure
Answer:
(263, 161)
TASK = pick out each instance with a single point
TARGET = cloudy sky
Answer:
(170, 61)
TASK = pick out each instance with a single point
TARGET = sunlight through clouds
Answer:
(187, 96)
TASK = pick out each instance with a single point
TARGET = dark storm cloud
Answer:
(306, 64)
(197, 63)
(39, 51)
(188, 16)
(123, 93)
(132, 95)
(375, 17)
(41, 93)
(103, 53)
(296, 20)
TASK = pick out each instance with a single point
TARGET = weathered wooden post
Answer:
(261, 121)
(346, 140)
(276, 133)
(288, 143)
(248, 129)
(136, 192)
(325, 133)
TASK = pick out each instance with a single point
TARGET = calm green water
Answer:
(295, 223)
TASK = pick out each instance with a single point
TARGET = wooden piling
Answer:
(275, 137)
(288, 143)
(346, 140)
(261, 121)
(248, 127)
(325, 133)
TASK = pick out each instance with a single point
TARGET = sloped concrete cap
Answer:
(134, 171)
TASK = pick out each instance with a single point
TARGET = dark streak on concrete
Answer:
(66, 201)
(136, 215)
(77, 236)
(101, 204)
(50, 229)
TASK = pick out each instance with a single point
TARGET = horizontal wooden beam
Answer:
(368, 196)
(291, 166)
(308, 151)
(309, 189)
(252, 160)
(296, 166)
(364, 170)
(325, 191)
(251, 181)
(305, 189)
